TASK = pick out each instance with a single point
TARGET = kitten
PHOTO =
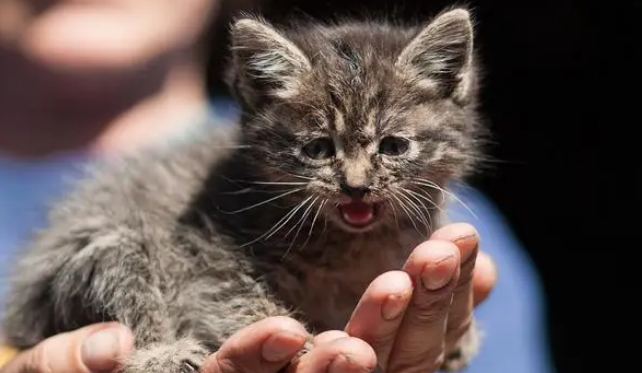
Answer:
(348, 136)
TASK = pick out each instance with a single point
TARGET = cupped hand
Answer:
(420, 319)
(267, 346)
(270, 345)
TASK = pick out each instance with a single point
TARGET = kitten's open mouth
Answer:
(358, 214)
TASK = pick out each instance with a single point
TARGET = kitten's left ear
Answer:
(440, 57)
(265, 63)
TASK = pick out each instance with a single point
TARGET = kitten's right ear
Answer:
(264, 62)
(440, 57)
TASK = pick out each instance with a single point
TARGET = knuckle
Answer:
(430, 361)
(465, 280)
(461, 327)
(429, 312)
(226, 365)
(383, 341)
(466, 273)
(36, 361)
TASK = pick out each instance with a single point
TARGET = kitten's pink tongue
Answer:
(357, 213)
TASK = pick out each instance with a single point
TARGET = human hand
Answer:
(417, 319)
(270, 345)
(92, 349)
(264, 347)
(427, 325)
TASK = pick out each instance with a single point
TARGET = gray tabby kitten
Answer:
(348, 136)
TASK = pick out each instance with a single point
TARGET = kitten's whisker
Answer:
(426, 198)
(420, 215)
(279, 224)
(299, 176)
(428, 183)
(280, 183)
(394, 212)
(416, 196)
(241, 191)
(292, 183)
(420, 205)
(433, 185)
(410, 205)
(325, 225)
(406, 211)
(265, 202)
(293, 213)
(252, 190)
(301, 223)
(232, 147)
(304, 213)
(314, 220)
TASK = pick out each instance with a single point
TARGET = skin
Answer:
(426, 324)
(65, 68)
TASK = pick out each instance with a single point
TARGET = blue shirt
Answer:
(512, 318)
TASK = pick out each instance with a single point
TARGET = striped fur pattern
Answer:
(188, 245)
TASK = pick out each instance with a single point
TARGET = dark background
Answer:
(547, 99)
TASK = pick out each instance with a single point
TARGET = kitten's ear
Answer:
(440, 56)
(264, 62)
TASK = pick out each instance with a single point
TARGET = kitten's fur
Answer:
(167, 244)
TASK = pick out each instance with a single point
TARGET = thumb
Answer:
(92, 349)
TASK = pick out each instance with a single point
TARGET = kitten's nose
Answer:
(355, 192)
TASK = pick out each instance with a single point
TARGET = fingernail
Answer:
(100, 350)
(459, 239)
(438, 274)
(282, 346)
(395, 305)
(344, 363)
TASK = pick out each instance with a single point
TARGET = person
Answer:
(87, 79)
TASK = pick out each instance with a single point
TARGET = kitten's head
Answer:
(371, 118)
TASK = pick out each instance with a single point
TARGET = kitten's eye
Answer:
(393, 146)
(319, 148)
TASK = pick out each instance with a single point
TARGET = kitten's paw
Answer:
(464, 352)
(183, 356)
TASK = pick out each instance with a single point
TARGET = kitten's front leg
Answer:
(212, 309)
(181, 356)
(205, 312)
(128, 283)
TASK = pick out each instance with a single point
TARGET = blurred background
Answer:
(545, 95)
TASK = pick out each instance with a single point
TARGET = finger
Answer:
(460, 318)
(329, 336)
(419, 346)
(263, 347)
(95, 348)
(484, 278)
(343, 355)
(379, 313)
